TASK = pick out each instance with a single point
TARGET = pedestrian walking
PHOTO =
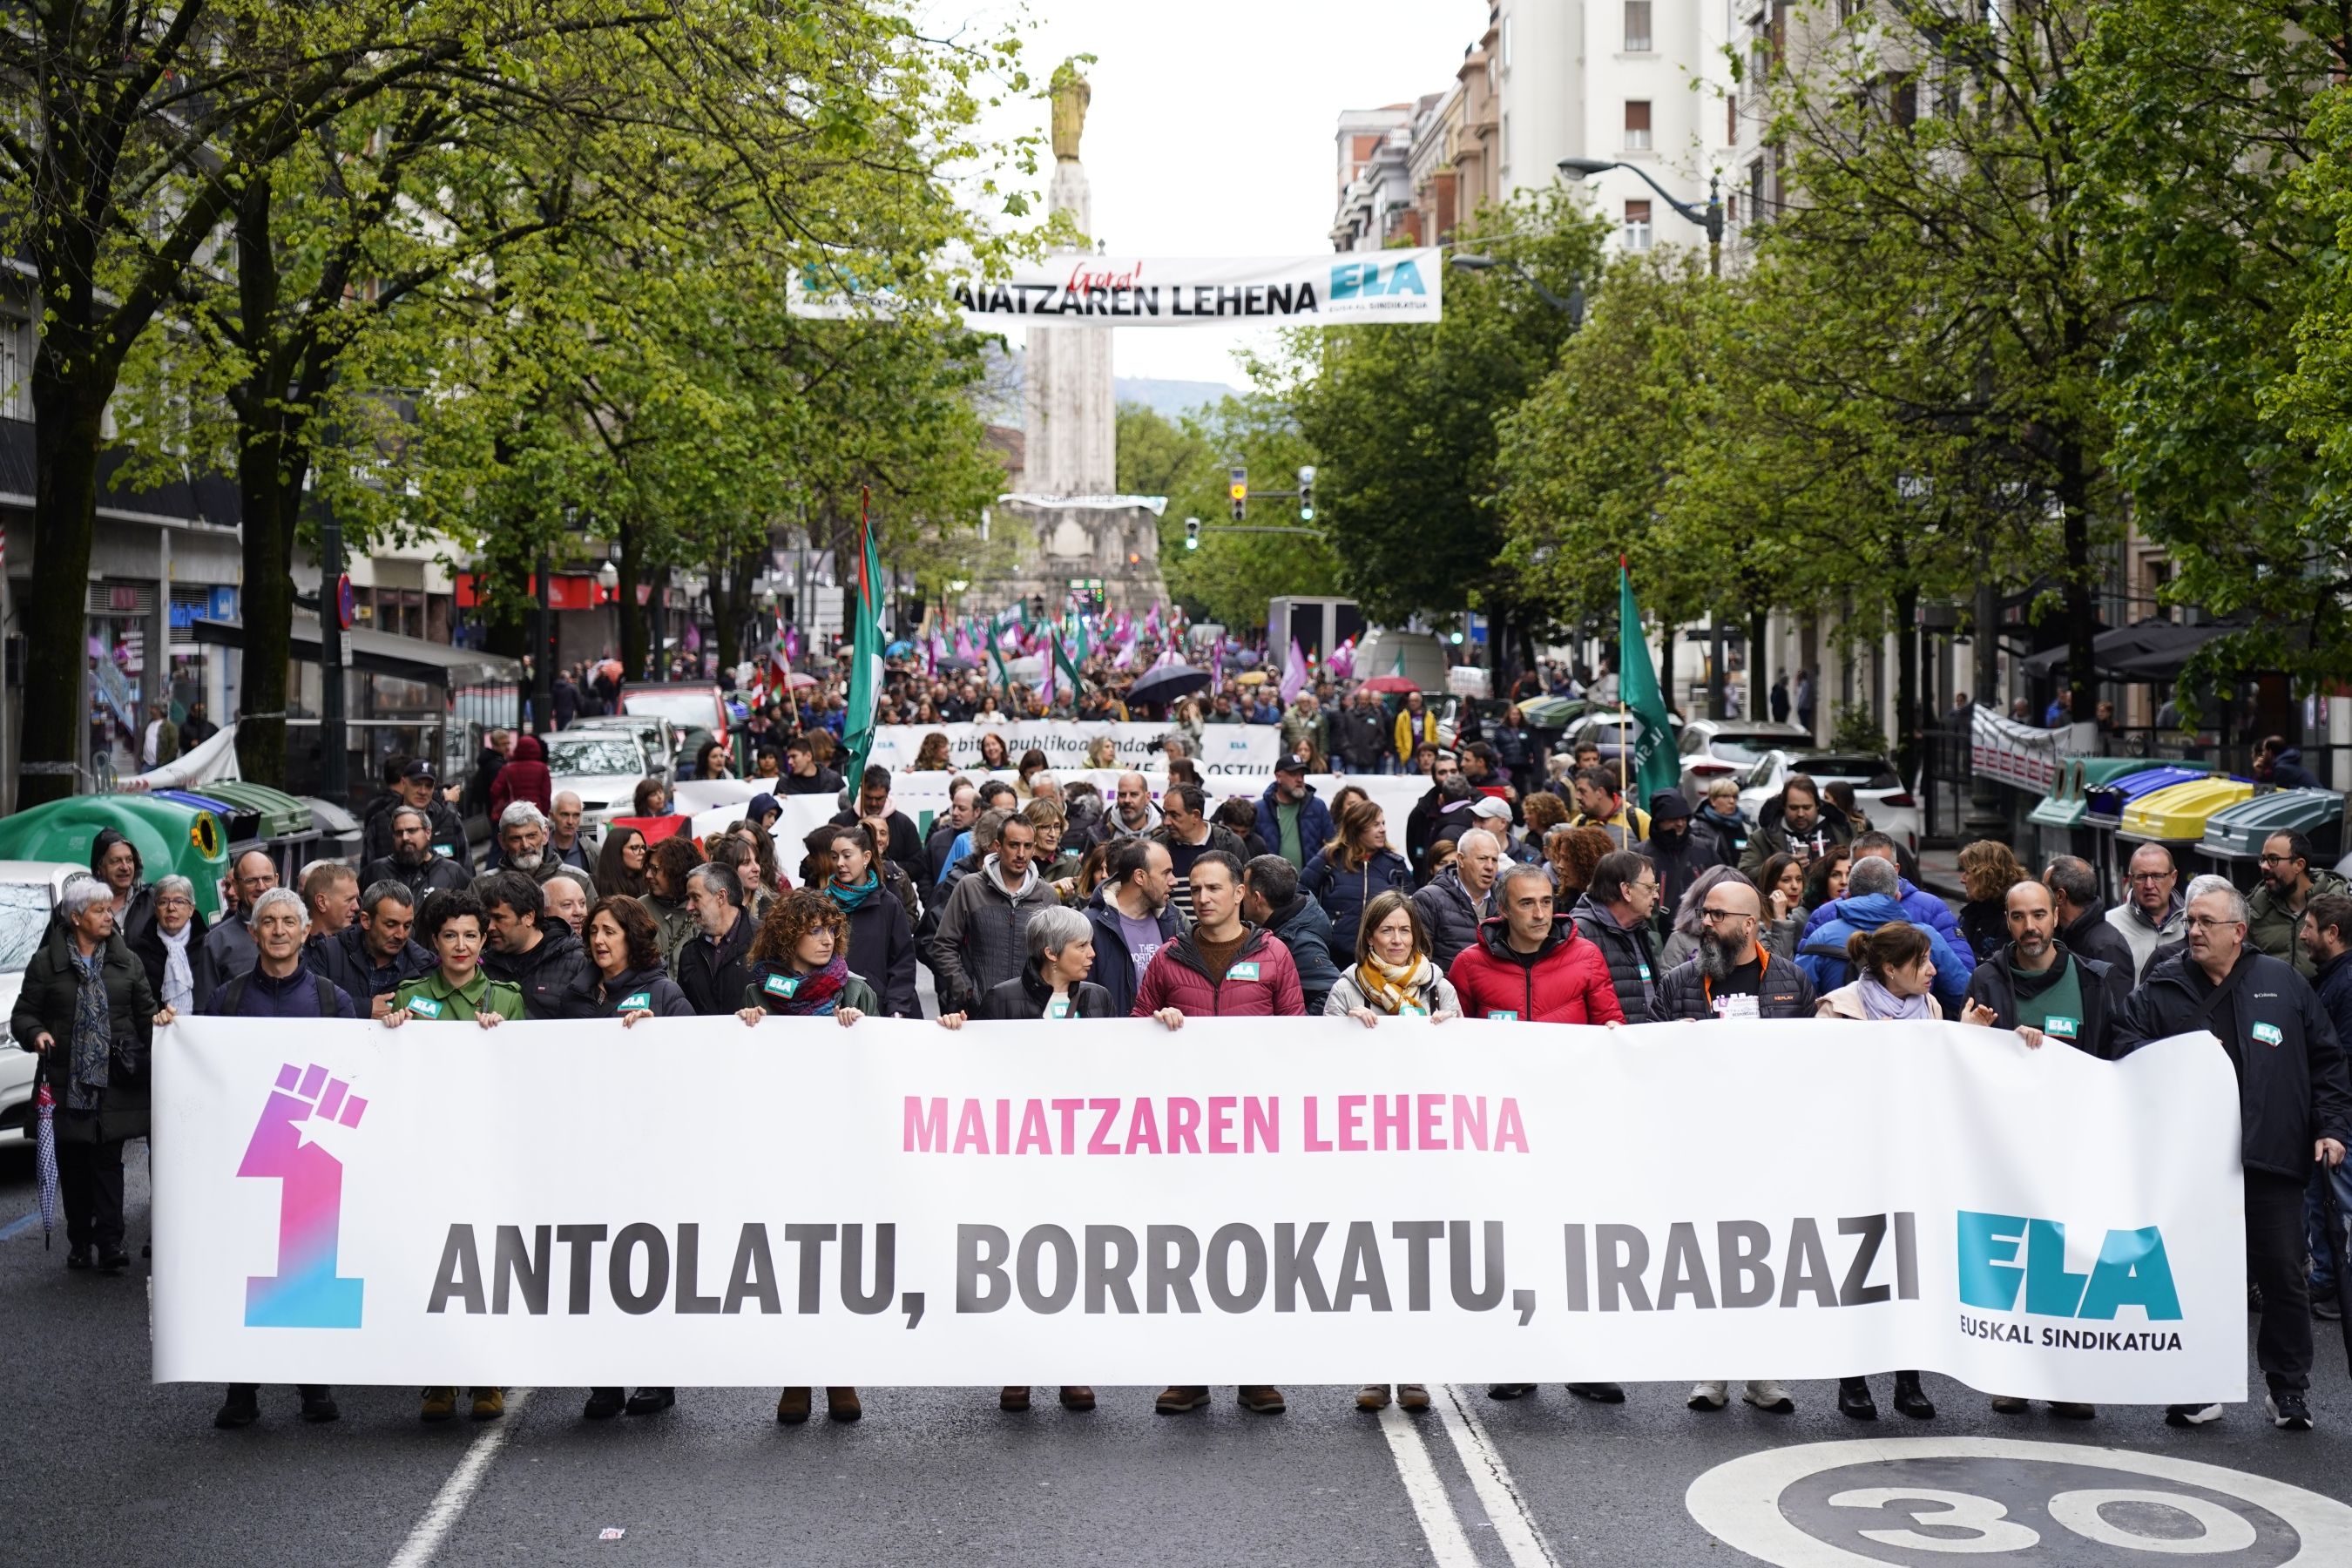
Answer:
(714, 964)
(1530, 963)
(1871, 901)
(1600, 804)
(2082, 914)
(455, 927)
(524, 778)
(2294, 1109)
(1988, 872)
(980, 943)
(621, 863)
(1271, 899)
(373, 960)
(228, 943)
(1361, 735)
(1456, 901)
(2151, 914)
(540, 958)
(415, 862)
(2037, 986)
(2327, 936)
(1614, 912)
(115, 861)
(416, 787)
(1919, 907)
(1132, 916)
(1795, 823)
(1416, 726)
(1676, 852)
(662, 889)
(1719, 817)
(1357, 864)
(84, 1008)
(881, 939)
(1292, 823)
(2274, 916)
(1683, 932)
(171, 949)
(1730, 973)
(1185, 829)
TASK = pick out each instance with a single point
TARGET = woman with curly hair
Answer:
(1988, 872)
(1543, 812)
(800, 969)
(932, 755)
(1573, 854)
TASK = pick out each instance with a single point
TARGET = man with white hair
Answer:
(2295, 1106)
(1459, 897)
(523, 836)
(280, 984)
(565, 844)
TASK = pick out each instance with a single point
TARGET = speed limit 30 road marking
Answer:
(2064, 1515)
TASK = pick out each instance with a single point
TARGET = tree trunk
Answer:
(1907, 681)
(2081, 613)
(268, 490)
(1760, 623)
(632, 619)
(68, 403)
(1666, 667)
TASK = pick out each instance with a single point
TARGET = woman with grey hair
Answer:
(171, 947)
(1682, 940)
(1052, 983)
(87, 1010)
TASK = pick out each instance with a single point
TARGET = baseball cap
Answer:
(1290, 765)
(418, 768)
(1493, 807)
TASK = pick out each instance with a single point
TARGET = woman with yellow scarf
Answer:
(1394, 979)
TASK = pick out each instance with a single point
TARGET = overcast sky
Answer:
(1211, 129)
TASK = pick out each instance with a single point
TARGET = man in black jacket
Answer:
(906, 847)
(2294, 1108)
(2039, 987)
(1730, 977)
(1678, 851)
(374, 958)
(417, 788)
(416, 860)
(1615, 912)
(1459, 897)
(714, 965)
(1133, 917)
(2083, 923)
(543, 958)
(1270, 898)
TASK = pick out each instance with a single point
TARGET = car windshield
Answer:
(575, 755)
(689, 710)
(24, 916)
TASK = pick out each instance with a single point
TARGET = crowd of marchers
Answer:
(1034, 900)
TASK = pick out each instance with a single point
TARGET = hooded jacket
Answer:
(2103, 986)
(1821, 953)
(1678, 863)
(1260, 983)
(1303, 928)
(525, 777)
(1921, 909)
(1026, 996)
(982, 934)
(1114, 968)
(1771, 836)
(1565, 981)
(1452, 916)
(1344, 891)
(1315, 827)
(548, 974)
(1782, 992)
(2292, 1087)
(1633, 960)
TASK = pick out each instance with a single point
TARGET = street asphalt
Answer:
(100, 1465)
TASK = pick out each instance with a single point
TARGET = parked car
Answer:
(602, 766)
(1878, 790)
(28, 891)
(1730, 747)
(688, 704)
(658, 738)
(1606, 729)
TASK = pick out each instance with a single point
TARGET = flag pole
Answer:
(1624, 737)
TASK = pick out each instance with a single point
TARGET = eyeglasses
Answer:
(2152, 878)
(174, 900)
(2199, 922)
(1724, 915)
(2280, 859)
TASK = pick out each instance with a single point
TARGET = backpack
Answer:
(231, 996)
(1837, 968)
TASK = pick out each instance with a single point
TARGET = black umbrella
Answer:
(1167, 683)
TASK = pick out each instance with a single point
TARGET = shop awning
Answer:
(385, 653)
(2148, 650)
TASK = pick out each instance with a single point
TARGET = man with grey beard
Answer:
(1729, 975)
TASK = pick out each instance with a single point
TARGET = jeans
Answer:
(2314, 1222)
(2274, 1252)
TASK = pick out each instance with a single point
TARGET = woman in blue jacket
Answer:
(1355, 868)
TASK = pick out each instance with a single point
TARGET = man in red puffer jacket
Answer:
(525, 777)
(1532, 966)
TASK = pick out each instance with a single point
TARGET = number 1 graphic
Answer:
(305, 1293)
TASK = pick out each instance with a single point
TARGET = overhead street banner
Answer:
(1086, 291)
(1111, 1203)
(1225, 748)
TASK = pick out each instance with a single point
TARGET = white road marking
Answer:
(1499, 1495)
(449, 1504)
(1447, 1545)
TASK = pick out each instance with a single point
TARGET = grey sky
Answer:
(1210, 128)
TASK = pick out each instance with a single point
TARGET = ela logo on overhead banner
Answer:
(1352, 280)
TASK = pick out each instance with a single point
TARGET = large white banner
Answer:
(1225, 748)
(1090, 290)
(1114, 1204)
(2014, 753)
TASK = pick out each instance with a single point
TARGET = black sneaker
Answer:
(241, 1408)
(648, 1401)
(1854, 1401)
(319, 1407)
(2190, 1414)
(1509, 1390)
(2328, 1308)
(604, 1404)
(1598, 1392)
(77, 1257)
(112, 1261)
(2288, 1412)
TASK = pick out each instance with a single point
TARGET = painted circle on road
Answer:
(1921, 1502)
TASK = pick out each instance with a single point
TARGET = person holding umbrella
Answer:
(87, 1010)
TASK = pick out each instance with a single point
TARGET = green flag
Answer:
(1063, 662)
(1653, 766)
(865, 658)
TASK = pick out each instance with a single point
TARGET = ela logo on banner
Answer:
(1350, 281)
(2132, 1269)
(305, 1293)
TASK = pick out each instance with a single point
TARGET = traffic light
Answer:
(1239, 490)
(1192, 533)
(1306, 492)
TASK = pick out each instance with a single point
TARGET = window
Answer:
(17, 346)
(1637, 226)
(1637, 26)
(1637, 124)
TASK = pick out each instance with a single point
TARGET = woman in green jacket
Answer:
(451, 924)
(87, 1010)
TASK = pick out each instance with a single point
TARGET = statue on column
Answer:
(1071, 95)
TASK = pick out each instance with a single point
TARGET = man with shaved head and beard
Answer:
(1730, 975)
(2037, 987)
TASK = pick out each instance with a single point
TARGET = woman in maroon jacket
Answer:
(1532, 966)
(524, 777)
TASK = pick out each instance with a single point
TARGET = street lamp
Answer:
(1574, 305)
(1709, 218)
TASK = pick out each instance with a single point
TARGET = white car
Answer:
(1730, 747)
(1877, 789)
(659, 737)
(602, 766)
(28, 891)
